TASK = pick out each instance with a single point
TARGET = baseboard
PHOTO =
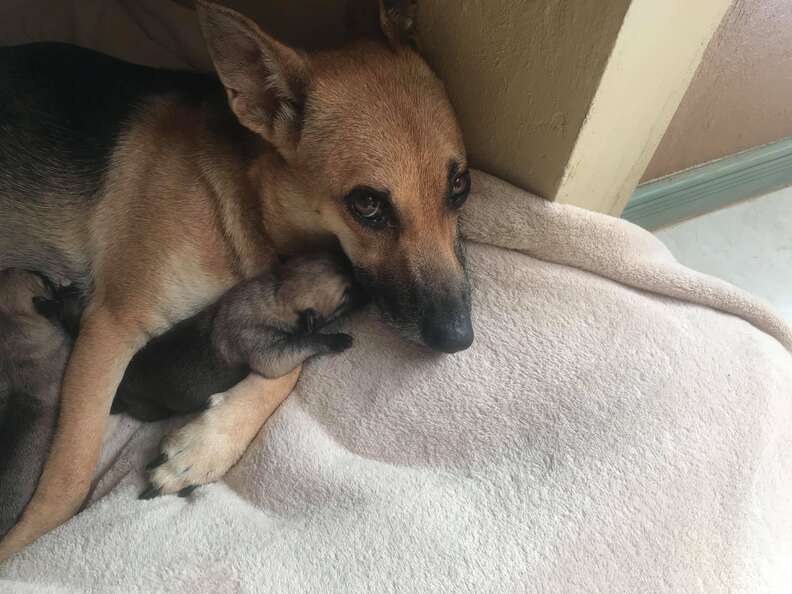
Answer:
(711, 186)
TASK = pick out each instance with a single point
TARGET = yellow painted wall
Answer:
(655, 57)
(741, 96)
(522, 76)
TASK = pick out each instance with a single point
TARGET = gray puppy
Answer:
(267, 325)
(34, 348)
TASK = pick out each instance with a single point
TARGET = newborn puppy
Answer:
(267, 325)
(34, 348)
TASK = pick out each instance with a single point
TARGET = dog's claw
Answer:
(150, 493)
(158, 461)
(187, 491)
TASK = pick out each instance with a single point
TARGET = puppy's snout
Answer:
(446, 325)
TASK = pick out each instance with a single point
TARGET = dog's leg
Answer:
(95, 368)
(280, 358)
(204, 449)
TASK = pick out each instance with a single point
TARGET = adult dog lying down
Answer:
(155, 191)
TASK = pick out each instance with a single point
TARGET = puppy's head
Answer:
(315, 290)
(24, 332)
(375, 158)
(18, 290)
(28, 298)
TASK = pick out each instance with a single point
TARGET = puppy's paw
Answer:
(307, 321)
(200, 452)
(337, 343)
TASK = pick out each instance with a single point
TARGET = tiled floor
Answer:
(748, 244)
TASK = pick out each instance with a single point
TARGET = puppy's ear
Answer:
(397, 21)
(266, 81)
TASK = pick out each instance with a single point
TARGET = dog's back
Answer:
(33, 354)
(62, 112)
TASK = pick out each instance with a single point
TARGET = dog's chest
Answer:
(186, 288)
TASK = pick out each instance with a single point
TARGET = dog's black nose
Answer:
(448, 332)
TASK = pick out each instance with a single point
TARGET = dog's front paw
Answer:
(200, 452)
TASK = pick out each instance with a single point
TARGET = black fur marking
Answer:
(62, 109)
(337, 343)
(49, 308)
(19, 415)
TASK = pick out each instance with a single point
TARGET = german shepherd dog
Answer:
(155, 191)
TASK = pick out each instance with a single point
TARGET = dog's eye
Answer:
(369, 207)
(460, 188)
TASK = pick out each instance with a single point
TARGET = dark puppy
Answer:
(267, 325)
(36, 335)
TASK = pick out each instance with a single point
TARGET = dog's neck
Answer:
(265, 208)
(289, 216)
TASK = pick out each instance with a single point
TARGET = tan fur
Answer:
(201, 451)
(183, 219)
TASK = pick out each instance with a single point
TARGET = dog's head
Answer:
(375, 158)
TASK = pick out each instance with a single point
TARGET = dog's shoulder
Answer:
(66, 106)
(98, 80)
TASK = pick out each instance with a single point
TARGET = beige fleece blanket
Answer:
(621, 424)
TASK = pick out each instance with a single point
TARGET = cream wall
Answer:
(656, 54)
(741, 96)
(522, 76)
(566, 98)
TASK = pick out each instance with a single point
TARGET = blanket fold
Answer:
(609, 247)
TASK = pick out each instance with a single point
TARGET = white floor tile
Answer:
(748, 244)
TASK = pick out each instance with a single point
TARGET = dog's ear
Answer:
(265, 80)
(397, 21)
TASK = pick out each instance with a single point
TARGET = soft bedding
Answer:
(621, 424)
